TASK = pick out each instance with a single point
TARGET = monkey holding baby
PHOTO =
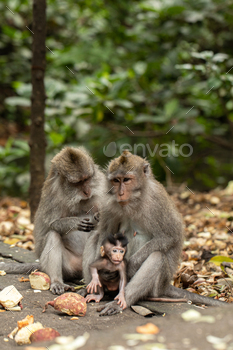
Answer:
(137, 202)
(110, 270)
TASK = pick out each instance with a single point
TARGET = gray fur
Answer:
(154, 252)
(59, 241)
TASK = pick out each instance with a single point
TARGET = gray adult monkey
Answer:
(71, 197)
(139, 206)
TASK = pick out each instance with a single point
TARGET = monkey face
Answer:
(117, 255)
(83, 188)
(124, 185)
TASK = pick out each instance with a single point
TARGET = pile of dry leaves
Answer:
(207, 266)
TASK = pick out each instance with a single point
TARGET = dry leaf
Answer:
(11, 241)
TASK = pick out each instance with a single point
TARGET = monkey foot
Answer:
(60, 288)
(109, 309)
(95, 297)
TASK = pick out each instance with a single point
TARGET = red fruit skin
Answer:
(43, 335)
(69, 303)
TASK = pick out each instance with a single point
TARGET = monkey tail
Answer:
(174, 292)
(18, 268)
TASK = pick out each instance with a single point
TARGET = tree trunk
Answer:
(37, 140)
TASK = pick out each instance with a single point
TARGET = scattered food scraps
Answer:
(148, 328)
(2, 273)
(219, 341)
(195, 317)
(10, 297)
(23, 279)
(39, 280)
(43, 335)
(29, 319)
(69, 303)
(23, 335)
(75, 344)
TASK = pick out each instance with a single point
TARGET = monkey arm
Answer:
(95, 282)
(99, 264)
(123, 280)
(162, 244)
(64, 225)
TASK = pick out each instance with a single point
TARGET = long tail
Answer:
(174, 292)
(17, 268)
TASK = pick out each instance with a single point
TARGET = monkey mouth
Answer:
(123, 203)
(116, 262)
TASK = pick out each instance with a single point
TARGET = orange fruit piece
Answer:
(148, 328)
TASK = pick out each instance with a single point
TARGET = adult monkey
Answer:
(139, 206)
(71, 194)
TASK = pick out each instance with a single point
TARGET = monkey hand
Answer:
(121, 301)
(109, 309)
(93, 285)
(86, 226)
(60, 288)
(95, 297)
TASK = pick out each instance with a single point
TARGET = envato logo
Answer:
(164, 150)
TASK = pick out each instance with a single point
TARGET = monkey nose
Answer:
(87, 193)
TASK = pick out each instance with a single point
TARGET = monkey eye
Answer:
(114, 250)
(126, 179)
(116, 180)
(122, 251)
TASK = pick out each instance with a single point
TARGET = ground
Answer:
(109, 332)
(208, 221)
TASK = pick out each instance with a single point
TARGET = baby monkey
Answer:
(110, 270)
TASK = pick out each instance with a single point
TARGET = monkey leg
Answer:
(52, 261)
(151, 278)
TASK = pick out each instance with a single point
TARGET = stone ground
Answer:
(108, 332)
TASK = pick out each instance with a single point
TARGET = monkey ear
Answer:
(102, 252)
(146, 169)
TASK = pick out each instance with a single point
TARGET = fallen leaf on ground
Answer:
(11, 241)
(141, 310)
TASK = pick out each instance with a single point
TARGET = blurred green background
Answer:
(150, 66)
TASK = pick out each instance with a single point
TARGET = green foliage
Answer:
(150, 66)
(14, 170)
